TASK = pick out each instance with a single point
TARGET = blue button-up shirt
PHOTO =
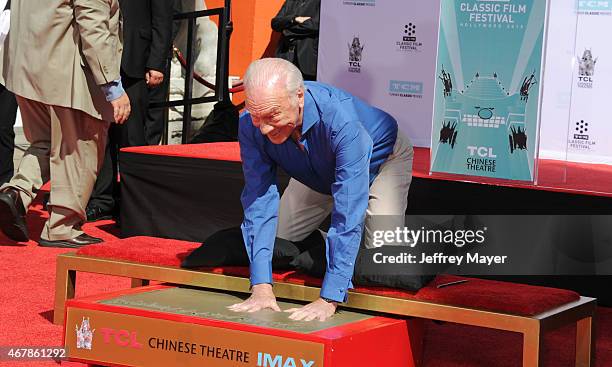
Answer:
(345, 142)
(112, 90)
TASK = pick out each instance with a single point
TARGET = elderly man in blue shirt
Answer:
(344, 157)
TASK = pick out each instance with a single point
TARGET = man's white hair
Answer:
(264, 72)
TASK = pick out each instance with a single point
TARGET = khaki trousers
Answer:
(67, 148)
(302, 209)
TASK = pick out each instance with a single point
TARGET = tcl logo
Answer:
(484, 152)
(122, 338)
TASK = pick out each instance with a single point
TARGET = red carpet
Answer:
(28, 279)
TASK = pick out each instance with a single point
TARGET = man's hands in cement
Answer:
(262, 297)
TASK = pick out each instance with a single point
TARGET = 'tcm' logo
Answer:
(594, 5)
(399, 86)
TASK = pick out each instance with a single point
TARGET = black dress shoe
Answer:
(12, 215)
(95, 213)
(80, 241)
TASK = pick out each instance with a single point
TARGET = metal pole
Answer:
(225, 30)
(191, 22)
(229, 28)
(166, 110)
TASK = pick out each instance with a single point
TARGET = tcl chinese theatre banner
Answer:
(488, 88)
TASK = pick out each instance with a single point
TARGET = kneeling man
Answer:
(345, 157)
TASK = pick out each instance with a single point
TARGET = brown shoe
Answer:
(12, 215)
(80, 241)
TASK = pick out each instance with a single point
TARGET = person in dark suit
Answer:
(298, 23)
(156, 117)
(147, 32)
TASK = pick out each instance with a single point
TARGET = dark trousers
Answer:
(155, 119)
(8, 114)
(105, 194)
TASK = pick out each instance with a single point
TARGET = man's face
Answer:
(275, 113)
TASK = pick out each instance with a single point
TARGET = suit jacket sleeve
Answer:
(282, 20)
(98, 43)
(309, 28)
(161, 24)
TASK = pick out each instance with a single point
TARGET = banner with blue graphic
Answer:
(488, 88)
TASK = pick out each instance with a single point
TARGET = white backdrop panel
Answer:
(590, 123)
(396, 71)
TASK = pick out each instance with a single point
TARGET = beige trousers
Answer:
(302, 209)
(66, 147)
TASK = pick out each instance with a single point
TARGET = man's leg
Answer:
(105, 197)
(155, 119)
(301, 211)
(8, 114)
(77, 148)
(102, 200)
(132, 132)
(389, 191)
(386, 211)
(33, 171)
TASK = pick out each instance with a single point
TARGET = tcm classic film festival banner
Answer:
(590, 127)
(487, 94)
(383, 51)
(575, 118)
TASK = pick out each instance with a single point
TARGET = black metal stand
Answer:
(222, 68)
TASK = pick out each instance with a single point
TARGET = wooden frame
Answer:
(580, 312)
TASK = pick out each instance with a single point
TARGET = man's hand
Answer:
(121, 108)
(261, 298)
(154, 78)
(301, 20)
(319, 309)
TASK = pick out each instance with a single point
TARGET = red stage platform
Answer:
(552, 175)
